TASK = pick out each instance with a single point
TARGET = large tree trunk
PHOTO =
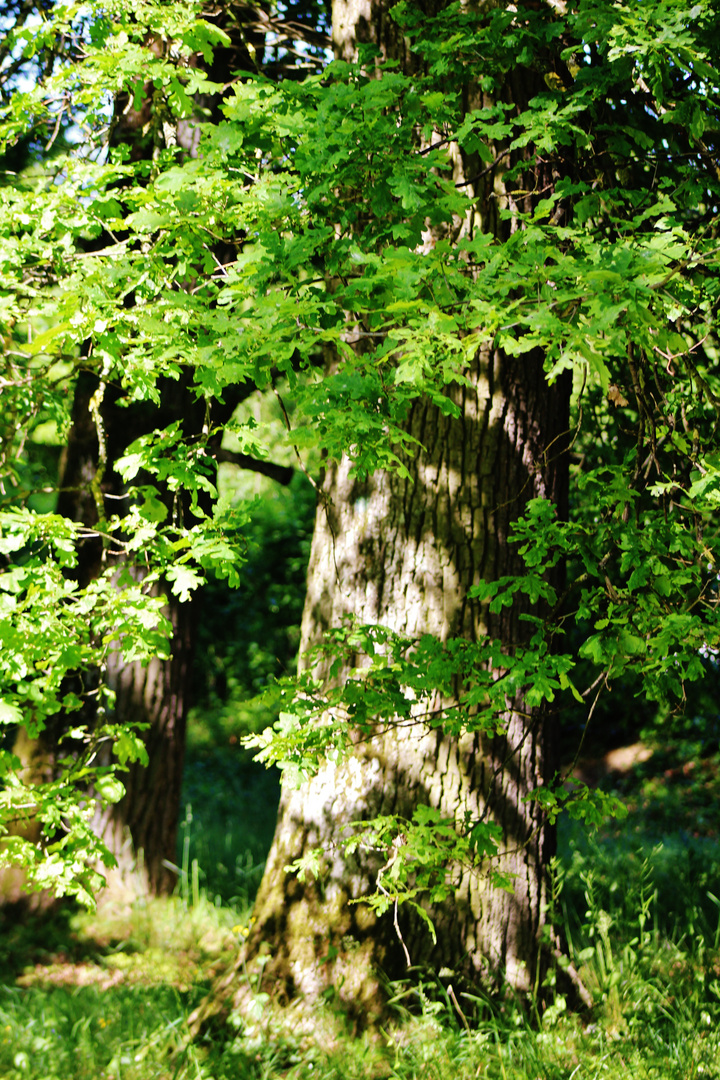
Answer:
(403, 553)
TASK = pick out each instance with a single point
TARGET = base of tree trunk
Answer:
(248, 998)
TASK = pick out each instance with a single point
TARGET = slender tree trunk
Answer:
(403, 553)
(140, 830)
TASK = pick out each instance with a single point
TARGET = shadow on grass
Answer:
(667, 845)
(29, 937)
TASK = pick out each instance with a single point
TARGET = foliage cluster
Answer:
(324, 190)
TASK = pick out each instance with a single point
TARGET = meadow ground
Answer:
(106, 996)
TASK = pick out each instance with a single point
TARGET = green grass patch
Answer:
(107, 995)
(89, 1033)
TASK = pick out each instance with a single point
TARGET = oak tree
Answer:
(475, 259)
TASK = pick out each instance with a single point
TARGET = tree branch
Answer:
(283, 474)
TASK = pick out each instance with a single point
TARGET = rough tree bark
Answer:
(403, 554)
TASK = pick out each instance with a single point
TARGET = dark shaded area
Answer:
(229, 807)
(31, 936)
(667, 846)
(249, 636)
(246, 639)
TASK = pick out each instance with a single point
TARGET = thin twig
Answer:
(56, 129)
(461, 1014)
(286, 418)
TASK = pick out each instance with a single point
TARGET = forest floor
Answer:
(105, 996)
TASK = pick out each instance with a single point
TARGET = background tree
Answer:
(105, 421)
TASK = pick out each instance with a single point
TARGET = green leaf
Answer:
(10, 714)
(183, 580)
(109, 788)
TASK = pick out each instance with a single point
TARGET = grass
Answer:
(89, 1033)
(229, 810)
(107, 996)
(112, 1000)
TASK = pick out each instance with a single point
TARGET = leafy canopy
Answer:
(323, 190)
